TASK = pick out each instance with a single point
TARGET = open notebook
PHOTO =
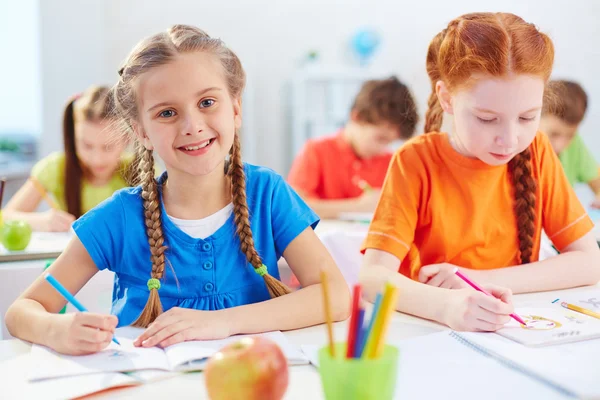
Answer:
(186, 356)
(550, 326)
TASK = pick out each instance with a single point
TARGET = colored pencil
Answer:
(42, 191)
(580, 309)
(392, 293)
(69, 297)
(369, 328)
(476, 287)
(353, 320)
(360, 331)
(327, 307)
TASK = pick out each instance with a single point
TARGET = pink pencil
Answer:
(474, 286)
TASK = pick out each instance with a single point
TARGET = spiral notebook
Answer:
(461, 368)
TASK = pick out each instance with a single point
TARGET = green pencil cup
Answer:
(358, 379)
(48, 264)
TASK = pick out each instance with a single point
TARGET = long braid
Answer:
(434, 114)
(525, 198)
(152, 214)
(242, 221)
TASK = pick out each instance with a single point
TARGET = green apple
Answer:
(15, 235)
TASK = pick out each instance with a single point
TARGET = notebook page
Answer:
(16, 385)
(192, 355)
(573, 366)
(551, 325)
(46, 363)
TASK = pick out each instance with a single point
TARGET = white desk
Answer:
(304, 380)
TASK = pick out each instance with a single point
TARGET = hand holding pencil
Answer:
(53, 220)
(79, 333)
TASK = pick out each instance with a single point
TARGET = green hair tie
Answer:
(262, 270)
(153, 283)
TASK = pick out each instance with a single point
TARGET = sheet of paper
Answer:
(551, 325)
(573, 366)
(196, 352)
(16, 385)
(46, 363)
(458, 372)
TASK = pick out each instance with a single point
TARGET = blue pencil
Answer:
(358, 345)
(69, 297)
(371, 321)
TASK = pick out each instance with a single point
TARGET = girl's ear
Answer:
(141, 135)
(444, 97)
(237, 113)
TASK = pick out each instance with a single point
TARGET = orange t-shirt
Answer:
(440, 206)
(328, 168)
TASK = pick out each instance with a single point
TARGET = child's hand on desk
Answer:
(470, 310)
(183, 324)
(56, 221)
(81, 333)
(441, 275)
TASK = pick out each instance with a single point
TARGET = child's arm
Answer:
(32, 317)
(594, 184)
(331, 209)
(23, 204)
(460, 309)
(578, 265)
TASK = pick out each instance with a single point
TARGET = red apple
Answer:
(253, 368)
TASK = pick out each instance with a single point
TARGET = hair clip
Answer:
(121, 71)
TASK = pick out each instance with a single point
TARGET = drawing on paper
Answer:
(593, 302)
(537, 323)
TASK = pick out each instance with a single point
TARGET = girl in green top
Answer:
(87, 172)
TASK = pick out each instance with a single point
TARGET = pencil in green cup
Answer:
(68, 296)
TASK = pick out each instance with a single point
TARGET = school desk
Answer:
(304, 382)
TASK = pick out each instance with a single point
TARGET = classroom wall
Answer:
(271, 37)
(20, 102)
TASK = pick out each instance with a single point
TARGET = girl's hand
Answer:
(81, 333)
(183, 324)
(56, 221)
(442, 275)
(470, 310)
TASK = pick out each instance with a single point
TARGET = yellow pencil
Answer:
(387, 316)
(327, 306)
(38, 186)
(387, 303)
(580, 309)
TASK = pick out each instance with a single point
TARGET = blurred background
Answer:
(304, 60)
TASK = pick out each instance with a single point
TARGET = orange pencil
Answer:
(327, 306)
(38, 186)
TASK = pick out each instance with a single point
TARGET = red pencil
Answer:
(474, 286)
(353, 322)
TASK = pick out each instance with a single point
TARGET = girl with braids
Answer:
(478, 197)
(89, 170)
(195, 252)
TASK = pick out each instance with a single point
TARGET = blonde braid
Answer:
(154, 231)
(242, 222)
